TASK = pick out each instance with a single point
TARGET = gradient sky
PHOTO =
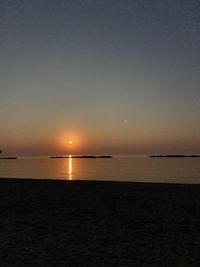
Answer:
(115, 76)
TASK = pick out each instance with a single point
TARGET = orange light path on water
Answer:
(70, 167)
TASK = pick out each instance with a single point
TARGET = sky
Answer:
(113, 76)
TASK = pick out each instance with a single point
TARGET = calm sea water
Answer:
(140, 169)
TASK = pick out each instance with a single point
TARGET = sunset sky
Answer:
(114, 76)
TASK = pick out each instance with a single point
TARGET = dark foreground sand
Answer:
(60, 223)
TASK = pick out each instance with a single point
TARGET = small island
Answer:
(174, 156)
(82, 157)
(9, 158)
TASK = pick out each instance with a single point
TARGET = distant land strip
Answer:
(9, 158)
(174, 156)
(82, 157)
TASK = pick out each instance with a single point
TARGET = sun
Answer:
(70, 142)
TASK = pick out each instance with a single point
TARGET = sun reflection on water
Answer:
(70, 167)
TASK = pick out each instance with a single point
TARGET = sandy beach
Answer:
(61, 223)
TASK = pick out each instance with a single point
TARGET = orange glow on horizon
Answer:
(68, 143)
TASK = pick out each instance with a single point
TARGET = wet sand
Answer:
(61, 223)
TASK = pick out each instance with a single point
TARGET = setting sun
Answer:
(70, 142)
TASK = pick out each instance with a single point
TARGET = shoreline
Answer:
(55, 180)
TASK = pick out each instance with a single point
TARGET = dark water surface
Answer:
(140, 169)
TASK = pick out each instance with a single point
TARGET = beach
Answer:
(90, 223)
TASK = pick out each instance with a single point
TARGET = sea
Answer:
(119, 168)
